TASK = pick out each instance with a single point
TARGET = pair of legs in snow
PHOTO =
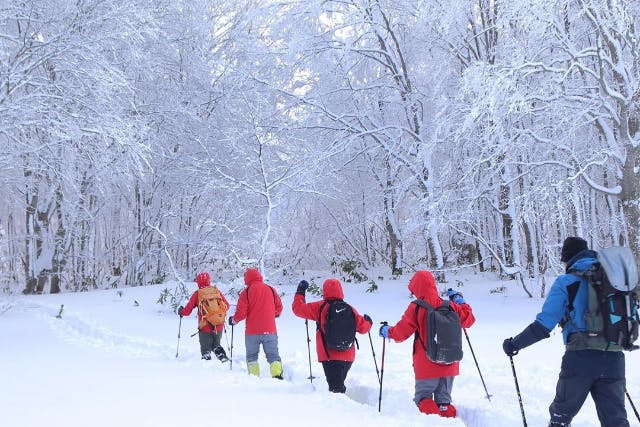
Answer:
(595, 372)
(335, 371)
(210, 342)
(269, 344)
(433, 396)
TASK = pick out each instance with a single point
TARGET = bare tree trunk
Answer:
(631, 196)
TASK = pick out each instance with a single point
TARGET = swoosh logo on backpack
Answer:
(342, 309)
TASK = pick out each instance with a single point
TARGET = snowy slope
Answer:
(110, 362)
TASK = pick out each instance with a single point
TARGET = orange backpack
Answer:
(211, 307)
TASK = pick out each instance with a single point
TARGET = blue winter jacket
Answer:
(556, 305)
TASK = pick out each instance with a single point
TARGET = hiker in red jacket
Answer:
(335, 363)
(433, 380)
(208, 334)
(259, 304)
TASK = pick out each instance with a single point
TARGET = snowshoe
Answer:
(220, 354)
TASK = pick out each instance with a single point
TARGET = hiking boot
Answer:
(275, 368)
(220, 354)
(206, 356)
(428, 406)
(447, 410)
(254, 368)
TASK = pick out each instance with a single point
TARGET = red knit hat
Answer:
(203, 279)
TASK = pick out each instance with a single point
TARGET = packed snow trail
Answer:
(110, 360)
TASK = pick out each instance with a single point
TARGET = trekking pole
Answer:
(374, 357)
(635, 411)
(306, 323)
(384, 342)
(226, 337)
(513, 368)
(231, 351)
(488, 396)
(179, 328)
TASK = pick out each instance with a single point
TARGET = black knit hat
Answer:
(571, 246)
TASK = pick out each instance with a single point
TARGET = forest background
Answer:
(144, 141)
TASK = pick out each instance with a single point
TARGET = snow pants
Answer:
(269, 344)
(601, 373)
(209, 341)
(438, 389)
(336, 372)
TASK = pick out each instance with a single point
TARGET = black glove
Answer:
(509, 348)
(530, 335)
(368, 319)
(302, 287)
(231, 322)
(180, 311)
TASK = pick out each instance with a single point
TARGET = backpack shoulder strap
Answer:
(325, 303)
(201, 297)
(429, 308)
(422, 303)
(572, 290)
(322, 306)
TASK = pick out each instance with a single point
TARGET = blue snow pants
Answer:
(601, 373)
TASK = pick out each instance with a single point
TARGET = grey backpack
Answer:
(444, 333)
(612, 314)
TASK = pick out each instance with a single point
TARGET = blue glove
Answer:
(455, 296)
(384, 331)
(302, 287)
(231, 321)
(367, 318)
(180, 311)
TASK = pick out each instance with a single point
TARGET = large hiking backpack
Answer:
(211, 307)
(339, 327)
(612, 314)
(444, 333)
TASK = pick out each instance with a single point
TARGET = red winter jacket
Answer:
(423, 286)
(259, 303)
(193, 303)
(331, 290)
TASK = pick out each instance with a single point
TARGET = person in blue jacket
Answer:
(589, 365)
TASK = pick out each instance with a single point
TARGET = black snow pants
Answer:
(336, 372)
(601, 373)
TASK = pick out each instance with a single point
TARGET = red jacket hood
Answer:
(332, 289)
(423, 286)
(252, 276)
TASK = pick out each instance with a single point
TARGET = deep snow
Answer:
(110, 361)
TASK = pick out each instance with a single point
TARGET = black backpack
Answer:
(612, 315)
(339, 326)
(444, 333)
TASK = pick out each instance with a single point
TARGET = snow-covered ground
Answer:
(110, 360)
